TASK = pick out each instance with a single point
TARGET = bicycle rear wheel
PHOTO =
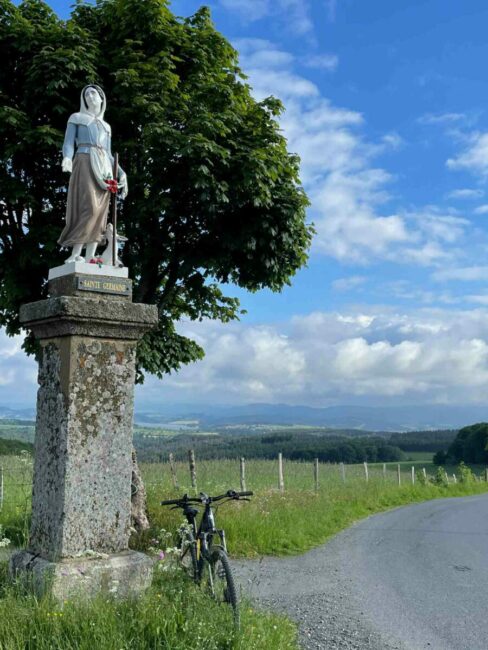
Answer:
(221, 581)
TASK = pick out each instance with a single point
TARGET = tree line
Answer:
(293, 447)
(470, 446)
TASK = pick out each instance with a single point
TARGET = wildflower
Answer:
(161, 555)
(4, 541)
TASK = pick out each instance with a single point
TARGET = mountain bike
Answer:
(207, 561)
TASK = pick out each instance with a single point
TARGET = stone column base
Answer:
(123, 575)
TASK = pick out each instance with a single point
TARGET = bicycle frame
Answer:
(204, 534)
(204, 553)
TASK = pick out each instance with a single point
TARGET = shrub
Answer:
(465, 474)
(440, 458)
(420, 478)
(440, 478)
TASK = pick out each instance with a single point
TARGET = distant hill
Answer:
(362, 418)
(368, 418)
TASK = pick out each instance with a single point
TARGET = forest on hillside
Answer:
(294, 446)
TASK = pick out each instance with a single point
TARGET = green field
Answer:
(299, 519)
(174, 613)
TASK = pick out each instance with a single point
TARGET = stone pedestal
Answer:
(81, 498)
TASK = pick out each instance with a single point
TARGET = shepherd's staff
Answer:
(114, 210)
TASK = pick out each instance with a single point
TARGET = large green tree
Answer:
(470, 445)
(215, 196)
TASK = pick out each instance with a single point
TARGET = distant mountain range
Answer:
(372, 418)
(7, 413)
(368, 418)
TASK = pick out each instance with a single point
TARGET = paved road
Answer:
(414, 578)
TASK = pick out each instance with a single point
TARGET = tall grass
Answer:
(173, 615)
(300, 518)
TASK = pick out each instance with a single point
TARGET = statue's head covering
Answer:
(84, 104)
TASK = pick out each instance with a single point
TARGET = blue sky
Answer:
(386, 107)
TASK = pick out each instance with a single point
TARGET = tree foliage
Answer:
(297, 446)
(215, 196)
(438, 440)
(470, 445)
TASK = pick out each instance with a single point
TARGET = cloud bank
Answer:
(322, 358)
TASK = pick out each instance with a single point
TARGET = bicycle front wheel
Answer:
(189, 561)
(221, 581)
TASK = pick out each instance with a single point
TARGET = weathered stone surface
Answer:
(81, 502)
(68, 285)
(78, 316)
(122, 575)
(83, 465)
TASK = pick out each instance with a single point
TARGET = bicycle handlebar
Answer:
(230, 494)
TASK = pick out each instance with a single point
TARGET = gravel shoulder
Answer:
(315, 592)
(413, 578)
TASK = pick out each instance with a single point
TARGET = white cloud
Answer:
(480, 299)
(481, 209)
(348, 227)
(393, 140)
(251, 11)
(441, 118)
(325, 357)
(293, 14)
(346, 284)
(321, 61)
(465, 274)
(423, 355)
(348, 191)
(465, 193)
(475, 156)
(16, 370)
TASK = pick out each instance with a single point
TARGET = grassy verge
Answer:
(293, 522)
(173, 615)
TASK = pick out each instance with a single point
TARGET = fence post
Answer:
(316, 474)
(243, 474)
(413, 475)
(424, 472)
(1, 488)
(173, 471)
(281, 482)
(366, 471)
(343, 472)
(454, 477)
(384, 471)
(447, 477)
(399, 474)
(486, 474)
(193, 469)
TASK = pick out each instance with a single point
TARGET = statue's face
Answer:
(93, 99)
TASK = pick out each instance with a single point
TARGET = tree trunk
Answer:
(139, 498)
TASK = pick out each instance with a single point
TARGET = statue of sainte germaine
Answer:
(87, 155)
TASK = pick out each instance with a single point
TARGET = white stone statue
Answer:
(88, 157)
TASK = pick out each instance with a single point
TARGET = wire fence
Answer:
(16, 476)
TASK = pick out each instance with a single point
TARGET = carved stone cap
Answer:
(75, 316)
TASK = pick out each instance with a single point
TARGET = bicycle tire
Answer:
(189, 558)
(222, 586)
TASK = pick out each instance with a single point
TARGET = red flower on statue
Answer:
(112, 185)
(96, 260)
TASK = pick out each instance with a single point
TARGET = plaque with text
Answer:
(115, 286)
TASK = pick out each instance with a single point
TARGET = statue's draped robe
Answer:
(88, 143)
